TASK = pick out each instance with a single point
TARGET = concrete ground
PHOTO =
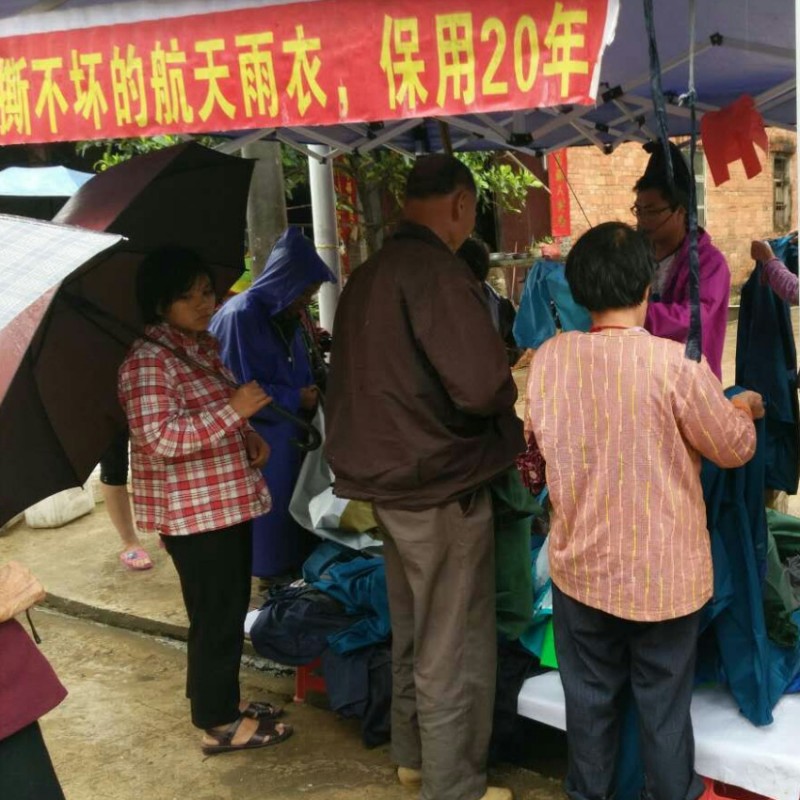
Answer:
(123, 733)
(115, 639)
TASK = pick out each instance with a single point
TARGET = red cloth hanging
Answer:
(560, 223)
(731, 134)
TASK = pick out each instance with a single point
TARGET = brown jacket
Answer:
(420, 401)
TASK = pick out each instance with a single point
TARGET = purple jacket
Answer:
(28, 686)
(669, 315)
(781, 280)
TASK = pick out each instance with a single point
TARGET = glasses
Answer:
(648, 213)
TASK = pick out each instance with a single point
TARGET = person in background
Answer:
(114, 486)
(262, 339)
(28, 690)
(774, 272)
(662, 215)
(420, 418)
(622, 420)
(196, 470)
(476, 254)
(786, 285)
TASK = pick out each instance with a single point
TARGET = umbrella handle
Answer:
(314, 440)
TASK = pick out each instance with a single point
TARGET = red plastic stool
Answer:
(716, 790)
(308, 678)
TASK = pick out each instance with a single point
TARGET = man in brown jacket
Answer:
(420, 416)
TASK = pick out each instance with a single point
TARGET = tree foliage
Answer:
(295, 169)
(498, 179)
(110, 152)
(379, 175)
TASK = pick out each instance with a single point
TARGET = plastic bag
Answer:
(317, 508)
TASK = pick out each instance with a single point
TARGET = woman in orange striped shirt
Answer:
(622, 419)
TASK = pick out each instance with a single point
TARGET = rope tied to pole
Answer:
(695, 333)
(694, 340)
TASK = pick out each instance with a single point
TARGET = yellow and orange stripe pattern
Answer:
(622, 419)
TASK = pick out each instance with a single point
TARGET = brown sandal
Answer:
(267, 733)
(259, 710)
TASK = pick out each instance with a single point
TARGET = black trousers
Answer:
(114, 463)
(599, 656)
(214, 570)
(26, 772)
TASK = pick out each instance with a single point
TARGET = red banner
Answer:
(346, 214)
(310, 63)
(560, 224)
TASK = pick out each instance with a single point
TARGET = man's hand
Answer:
(249, 399)
(19, 590)
(750, 400)
(761, 251)
(309, 397)
(257, 450)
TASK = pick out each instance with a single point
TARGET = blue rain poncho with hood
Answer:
(255, 347)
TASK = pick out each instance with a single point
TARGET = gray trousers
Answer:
(440, 578)
(599, 655)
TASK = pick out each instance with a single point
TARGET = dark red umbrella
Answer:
(58, 400)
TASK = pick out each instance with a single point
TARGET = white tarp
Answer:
(728, 747)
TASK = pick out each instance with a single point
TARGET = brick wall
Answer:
(736, 212)
(603, 184)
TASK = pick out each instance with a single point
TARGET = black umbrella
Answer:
(60, 410)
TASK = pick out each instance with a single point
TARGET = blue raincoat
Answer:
(766, 361)
(546, 294)
(255, 347)
(734, 648)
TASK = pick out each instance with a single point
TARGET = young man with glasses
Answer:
(661, 213)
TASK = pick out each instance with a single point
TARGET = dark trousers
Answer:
(599, 656)
(114, 463)
(214, 570)
(440, 581)
(26, 772)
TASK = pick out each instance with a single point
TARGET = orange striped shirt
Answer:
(622, 419)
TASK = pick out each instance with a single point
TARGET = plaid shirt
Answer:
(189, 463)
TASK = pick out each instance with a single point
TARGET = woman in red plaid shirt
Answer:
(195, 464)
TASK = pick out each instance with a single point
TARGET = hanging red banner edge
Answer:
(299, 64)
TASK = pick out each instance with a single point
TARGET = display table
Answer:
(728, 748)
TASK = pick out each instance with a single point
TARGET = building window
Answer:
(781, 192)
(700, 184)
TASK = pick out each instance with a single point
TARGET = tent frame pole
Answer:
(326, 236)
(797, 107)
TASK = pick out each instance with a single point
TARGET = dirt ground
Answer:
(123, 733)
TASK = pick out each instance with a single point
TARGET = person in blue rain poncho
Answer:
(262, 339)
